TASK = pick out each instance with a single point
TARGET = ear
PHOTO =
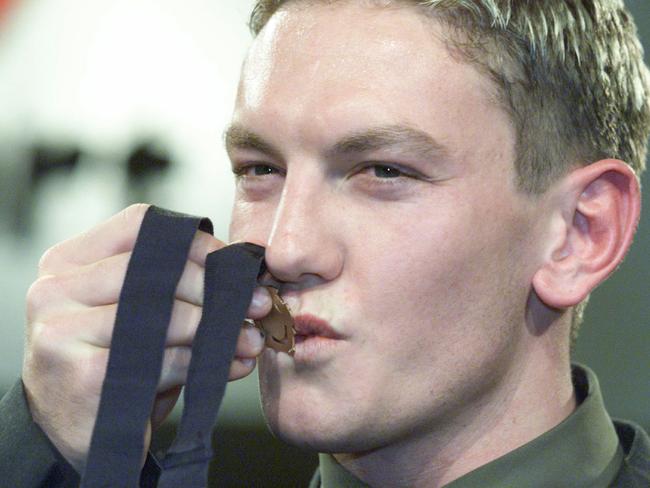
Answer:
(597, 212)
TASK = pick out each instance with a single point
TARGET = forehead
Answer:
(348, 41)
(340, 66)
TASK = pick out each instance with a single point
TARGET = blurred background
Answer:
(103, 104)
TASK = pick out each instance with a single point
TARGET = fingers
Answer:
(71, 311)
(176, 363)
(177, 360)
(95, 325)
(240, 368)
(115, 236)
(163, 405)
(100, 283)
(250, 344)
(260, 305)
(202, 245)
(95, 328)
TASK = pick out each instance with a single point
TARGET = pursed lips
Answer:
(308, 325)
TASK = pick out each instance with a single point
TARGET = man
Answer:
(439, 186)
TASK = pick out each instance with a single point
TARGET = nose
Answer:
(303, 248)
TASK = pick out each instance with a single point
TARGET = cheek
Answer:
(433, 279)
(251, 221)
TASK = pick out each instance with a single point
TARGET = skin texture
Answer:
(426, 260)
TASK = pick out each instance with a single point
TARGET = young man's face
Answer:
(378, 171)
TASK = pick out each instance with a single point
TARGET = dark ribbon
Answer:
(137, 347)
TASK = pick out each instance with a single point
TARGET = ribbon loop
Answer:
(137, 348)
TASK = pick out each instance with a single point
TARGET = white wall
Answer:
(104, 75)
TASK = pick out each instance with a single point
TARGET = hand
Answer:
(71, 310)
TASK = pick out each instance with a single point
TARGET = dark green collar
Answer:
(582, 451)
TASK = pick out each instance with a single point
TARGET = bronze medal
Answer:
(278, 326)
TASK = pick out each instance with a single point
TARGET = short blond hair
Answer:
(569, 72)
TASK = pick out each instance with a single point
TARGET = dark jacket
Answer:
(29, 460)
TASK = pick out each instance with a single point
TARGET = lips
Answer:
(308, 326)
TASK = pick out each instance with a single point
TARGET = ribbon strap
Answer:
(137, 346)
(230, 277)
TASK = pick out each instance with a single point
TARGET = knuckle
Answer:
(46, 334)
(206, 242)
(91, 369)
(50, 342)
(41, 292)
(43, 346)
(50, 259)
(110, 270)
(133, 214)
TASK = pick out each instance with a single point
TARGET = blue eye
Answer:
(385, 171)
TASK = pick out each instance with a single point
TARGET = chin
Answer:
(300, 427)
(316, 438)
(311, 411)
(323, 430)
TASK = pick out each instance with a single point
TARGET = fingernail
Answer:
(248, 362)
(255, 338)
(260, 298)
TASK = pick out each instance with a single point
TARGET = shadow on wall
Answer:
(21, 183)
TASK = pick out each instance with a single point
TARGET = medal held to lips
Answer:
(278, 326)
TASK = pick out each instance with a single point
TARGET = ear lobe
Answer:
(597, 215)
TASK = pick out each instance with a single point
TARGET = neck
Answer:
(533, 397)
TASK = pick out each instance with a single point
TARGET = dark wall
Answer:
(615, 338)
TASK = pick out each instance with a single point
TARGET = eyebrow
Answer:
(400, 137)
(238, 137)
(396, 137)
